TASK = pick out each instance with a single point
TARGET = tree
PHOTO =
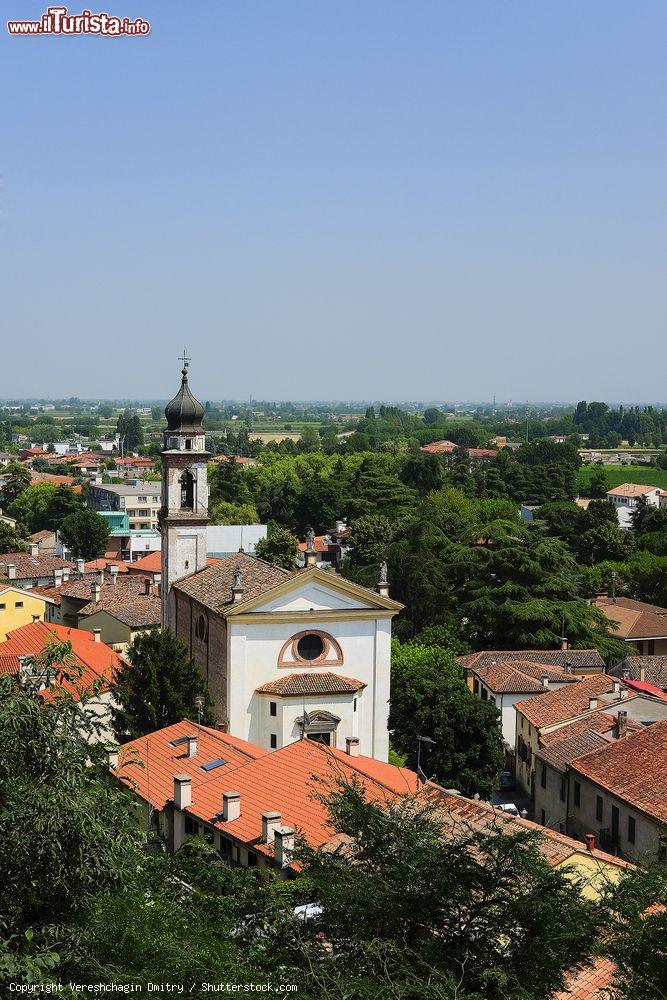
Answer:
(85, 534)
(598, 486)
(31, 507)
(129, 427)
(228, 483)
(10, 539)
(17, 479)
(416, 907)
(280, 547)
(430, 698)
(158, 686)
(63, 503)
(66, 826)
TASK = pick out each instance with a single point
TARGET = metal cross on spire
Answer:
(185, 359)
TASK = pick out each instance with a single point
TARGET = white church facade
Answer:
(285, 655)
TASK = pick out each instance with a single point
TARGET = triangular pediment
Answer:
(317, 590)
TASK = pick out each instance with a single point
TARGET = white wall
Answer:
(225, 538)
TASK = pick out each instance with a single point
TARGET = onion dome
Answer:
(184, 413)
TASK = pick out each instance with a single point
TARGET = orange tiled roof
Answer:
(311, 683)
(597, 722)
(521, 676)
(633, 769)
(636, 619)
(592, 982)
(579, 659)
(99, 661)
(288, 781)
(553, 707)
(631, 490)
(28, 566)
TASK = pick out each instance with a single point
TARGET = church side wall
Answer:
(210, 654)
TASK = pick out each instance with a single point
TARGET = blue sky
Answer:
(365, 199)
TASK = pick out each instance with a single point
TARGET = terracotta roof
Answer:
(311, 683)
(137, 612)
(633, 769)
(149, 764)
(578, 658)
(559, 753)
(47, 477)
(126, 586)
(655, 669)
(470, 814)
(631, 490)
(592, 982)
(49, 591)
(213, 586)
(28, 566)
(289, 781)
(597, 722)
(553, 707)
(521, 676)
(39, 536)
(321, 543)
(636, 619)
(99, 661)
(439, 447)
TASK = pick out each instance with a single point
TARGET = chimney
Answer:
(35, 618)
(545, 680)
(114, 573)
(80, 566)
(590, 841)
(11, 571)
(192, 744)
(147, 586)
(624, 693)
(283, 842)
(65, 574)
(621, 725)
(616, 689)
(182, 791)
(564, 644)
(270, 823)
(95, 593)
(352, 746)
(97, 635)
(113, 758)
(100, 576)
(57, 577)
(642, 673)
(568, 667)
(231, 806)
(34, 549)
(592, 703)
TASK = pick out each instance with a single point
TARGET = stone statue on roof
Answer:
(382, 579)
(310, 540)
(238, 578)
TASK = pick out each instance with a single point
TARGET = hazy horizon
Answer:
(372, 201)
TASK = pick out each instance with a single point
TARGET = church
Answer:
(286, 655)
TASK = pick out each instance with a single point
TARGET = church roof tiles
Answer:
(212, 586)
(311, 683)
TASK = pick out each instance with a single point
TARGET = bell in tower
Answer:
(184, 510)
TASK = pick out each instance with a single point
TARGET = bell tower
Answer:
(184, 510)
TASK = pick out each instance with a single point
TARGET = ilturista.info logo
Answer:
(58, 21)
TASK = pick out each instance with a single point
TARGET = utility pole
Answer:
(526, 425)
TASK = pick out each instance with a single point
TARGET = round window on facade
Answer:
(200, 629)
(310, 647)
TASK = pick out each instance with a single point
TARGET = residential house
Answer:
(620, 791)
(19, 607)
(642, 669)
(6, 519)
(93, 662)
(506, 682)
(542, 714)
(475, 455)
(579, 662)
(140, 501)
(247, 802)
(558, 749)
(641, 625)
(121, 607)
(626, 497)
(31, 569)
(45, 541)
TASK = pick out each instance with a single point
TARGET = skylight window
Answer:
(212, 764)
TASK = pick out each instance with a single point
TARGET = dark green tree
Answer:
(129, 427)
(158, 686)
(17, 479)
(278, 548)
(85, 533)
(63, 503)
(11, 540)
(430, 697)
(598, 486)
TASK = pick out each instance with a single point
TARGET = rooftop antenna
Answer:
(526, 425)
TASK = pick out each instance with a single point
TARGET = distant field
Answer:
(616, 475)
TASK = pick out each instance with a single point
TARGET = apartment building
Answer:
(139, 500)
